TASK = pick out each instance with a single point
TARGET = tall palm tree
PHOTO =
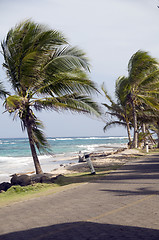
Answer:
(141, 85)
(45, 73)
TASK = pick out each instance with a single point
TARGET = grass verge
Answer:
(18, 193)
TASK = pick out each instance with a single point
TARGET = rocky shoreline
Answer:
(99, 160)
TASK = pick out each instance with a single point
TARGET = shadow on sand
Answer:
(84, 231)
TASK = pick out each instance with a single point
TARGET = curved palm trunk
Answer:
(128, 131)
(150, 137)
(135, 139)
(144, 132)
(128, 128)
(33, 151)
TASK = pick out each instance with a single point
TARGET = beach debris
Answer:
(95, 156)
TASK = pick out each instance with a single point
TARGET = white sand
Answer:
(117, 158)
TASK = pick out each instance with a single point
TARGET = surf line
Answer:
(120, 209)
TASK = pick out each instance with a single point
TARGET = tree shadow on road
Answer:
(146, 170)
(84, 231)
(138, 191)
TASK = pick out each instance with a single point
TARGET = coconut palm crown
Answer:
(45, 73)
(141, 85)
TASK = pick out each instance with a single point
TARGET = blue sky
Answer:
(109, 31)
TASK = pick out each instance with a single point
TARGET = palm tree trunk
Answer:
(144, 132)
(135, 140)
(128, 128)
(150, 136)
(129, 134)
(33, 151)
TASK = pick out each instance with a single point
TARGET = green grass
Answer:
(151, 151)
(18, 193)
(86, 176)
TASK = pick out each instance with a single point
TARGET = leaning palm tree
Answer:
(141, 85)
(45, 74)
(119, 110)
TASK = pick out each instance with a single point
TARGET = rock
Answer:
(4, 186)
(59, 178)
(45, 179)
(14, 179)
(36, 178)
(42, 178)
(22, 180)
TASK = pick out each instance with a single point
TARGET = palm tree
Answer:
(118, 110)
(151, 117)
(45, 73)
(141, 85)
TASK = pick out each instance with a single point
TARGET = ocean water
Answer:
(15, 155)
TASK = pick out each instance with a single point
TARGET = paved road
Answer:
(122, 205)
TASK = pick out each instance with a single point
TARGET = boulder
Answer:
(4, 186)
(59, 179)
(42, 178)
(22, 180)
(45, 179)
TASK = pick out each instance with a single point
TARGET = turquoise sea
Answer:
(15, 155)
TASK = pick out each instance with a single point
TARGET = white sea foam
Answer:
(117, 137)
(64, 139)
(12, 165)
(66, 153)
(85, 138)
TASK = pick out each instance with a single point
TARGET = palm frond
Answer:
(141, 63)
(3, 91)
(107, 95)
(151, 80)
(67, 83)
(122, 89)
(113, 123)
(74, 103)
(39, 137)
(66, 59)
(13, 102)
(24, 48)
(150, 101)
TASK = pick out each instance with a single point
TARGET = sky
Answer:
(108, 31)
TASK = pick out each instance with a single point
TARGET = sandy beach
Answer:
(107, 160)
